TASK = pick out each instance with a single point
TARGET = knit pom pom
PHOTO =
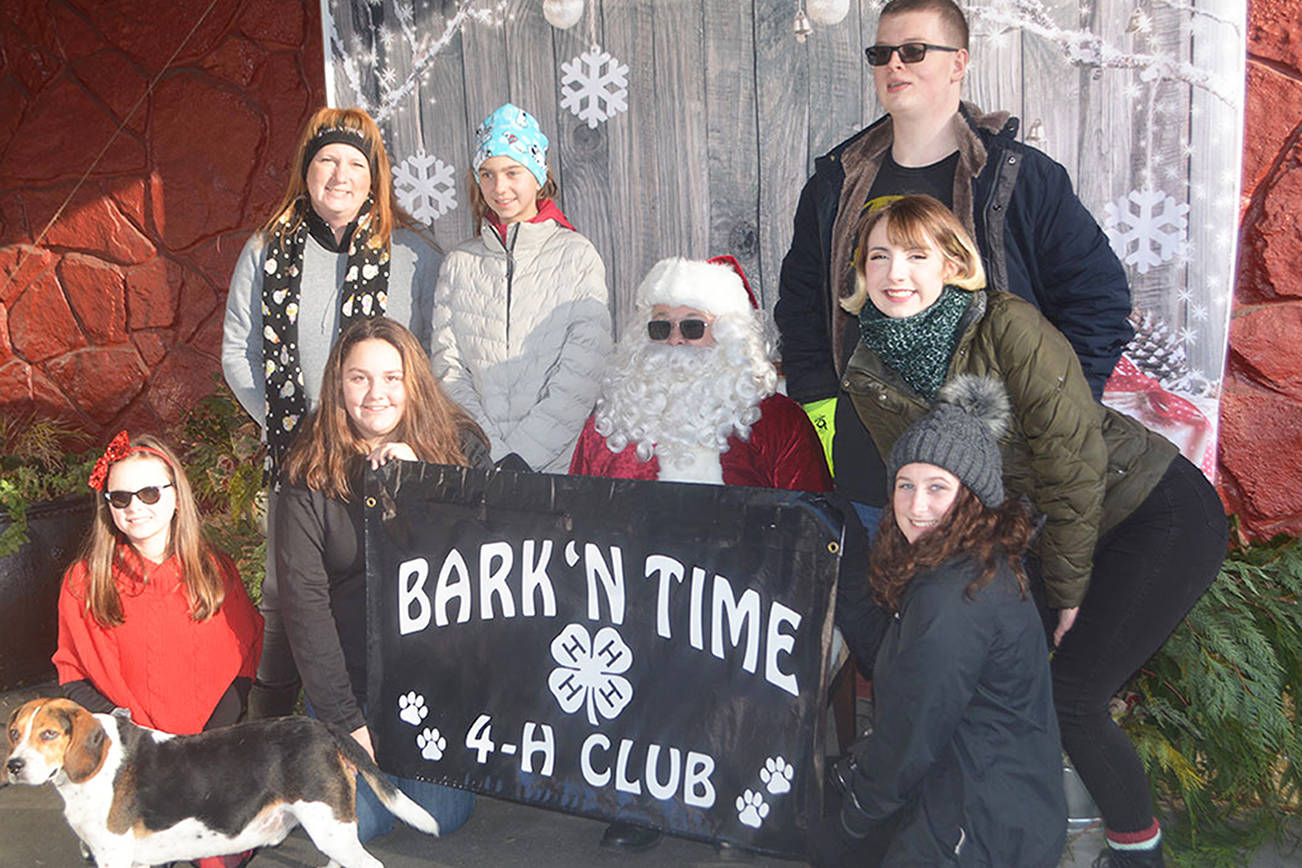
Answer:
(982, 397)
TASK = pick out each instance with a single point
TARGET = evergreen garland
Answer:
(1214, 713)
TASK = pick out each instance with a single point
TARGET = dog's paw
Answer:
(411, 708)
(752, 809)
(431, 744)
(777, 775)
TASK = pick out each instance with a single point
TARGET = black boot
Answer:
(1110, 858)
(630, 838)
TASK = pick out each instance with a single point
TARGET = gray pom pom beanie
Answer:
(961, 434)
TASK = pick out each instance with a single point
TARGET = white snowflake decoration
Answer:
(594, 86)
(1146, 228)
(425, 186)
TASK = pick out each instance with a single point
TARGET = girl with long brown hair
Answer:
(336, 249)
(151, 617)
(963, 764)
(379, 403)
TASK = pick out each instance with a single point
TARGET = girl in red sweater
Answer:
(152, 618)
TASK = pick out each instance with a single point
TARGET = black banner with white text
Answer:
(645, 651)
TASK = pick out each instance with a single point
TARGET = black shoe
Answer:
(630, 838)
(1110, 858)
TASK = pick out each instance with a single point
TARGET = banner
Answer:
(641, 651)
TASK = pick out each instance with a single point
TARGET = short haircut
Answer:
(951, 16)
(912, 221)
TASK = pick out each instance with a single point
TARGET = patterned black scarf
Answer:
(363, 294)
(918, 347)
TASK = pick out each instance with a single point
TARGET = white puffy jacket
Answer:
(521, 334)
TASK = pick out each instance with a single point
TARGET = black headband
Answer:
(334, 135)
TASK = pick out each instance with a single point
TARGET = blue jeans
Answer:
(869, 517)
(450, 806)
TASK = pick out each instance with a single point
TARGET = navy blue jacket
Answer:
(1036, 239)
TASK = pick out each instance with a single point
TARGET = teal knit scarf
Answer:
(918, 347)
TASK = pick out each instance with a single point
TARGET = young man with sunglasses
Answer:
(1036, 238)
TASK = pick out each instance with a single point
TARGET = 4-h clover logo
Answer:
(591, 671)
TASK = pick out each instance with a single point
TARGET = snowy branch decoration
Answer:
(423, 50)
(1086, 49)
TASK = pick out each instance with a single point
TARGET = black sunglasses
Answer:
(148, 496)
(910, 52)
(690, 329)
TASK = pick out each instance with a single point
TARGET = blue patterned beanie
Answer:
(512, 132)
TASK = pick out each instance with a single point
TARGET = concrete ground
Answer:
(499, 835)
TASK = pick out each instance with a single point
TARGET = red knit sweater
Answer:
(167, 668)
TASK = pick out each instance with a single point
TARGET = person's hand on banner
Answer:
(823, 415)
(386, 452)
(362, 736)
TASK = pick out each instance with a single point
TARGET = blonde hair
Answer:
(479, 207)
(204, 583)
(917, 221)
(384, 213)
(431, 422)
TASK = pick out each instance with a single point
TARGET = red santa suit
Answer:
(782, 451)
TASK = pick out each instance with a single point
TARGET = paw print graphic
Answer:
(752, 809)
(411, 708)
(431, 744)
(777, 775)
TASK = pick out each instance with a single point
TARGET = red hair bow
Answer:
(119, 447)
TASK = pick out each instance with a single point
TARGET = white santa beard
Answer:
(681, 403)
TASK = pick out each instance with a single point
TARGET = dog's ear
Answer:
(9, 727)
(86, 743)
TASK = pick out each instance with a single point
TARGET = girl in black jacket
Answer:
(379, 402)
(963, 766)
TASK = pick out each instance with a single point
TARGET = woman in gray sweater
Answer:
(337, 249)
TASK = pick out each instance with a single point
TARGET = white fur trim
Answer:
(706, 286)
(698, 465)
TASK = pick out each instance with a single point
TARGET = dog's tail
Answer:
(398, 802)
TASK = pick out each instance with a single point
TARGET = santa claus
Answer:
(691, 394)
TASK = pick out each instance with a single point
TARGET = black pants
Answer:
(1148, 572)
(275, 691)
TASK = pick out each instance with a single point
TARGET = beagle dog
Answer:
(137, 796)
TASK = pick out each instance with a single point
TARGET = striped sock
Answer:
(1144, 839)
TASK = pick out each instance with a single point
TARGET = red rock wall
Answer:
(1261, 410)
(172, 141)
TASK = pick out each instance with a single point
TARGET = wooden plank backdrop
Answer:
(727, 111)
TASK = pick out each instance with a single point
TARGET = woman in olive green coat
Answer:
(1133, 532)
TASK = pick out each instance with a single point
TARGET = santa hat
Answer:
(716, 286)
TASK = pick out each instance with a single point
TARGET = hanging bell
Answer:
(801, 28)
(1035, 135)
(1139, 22)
